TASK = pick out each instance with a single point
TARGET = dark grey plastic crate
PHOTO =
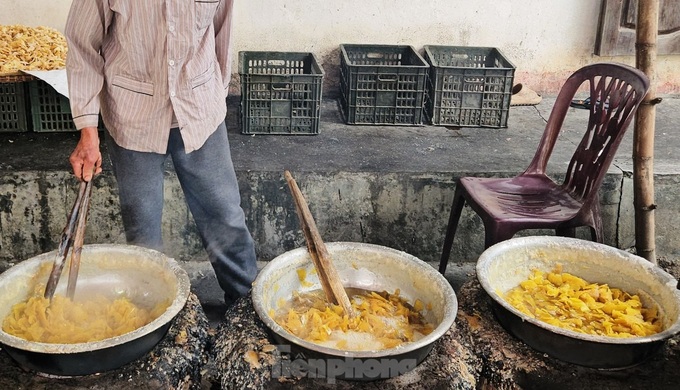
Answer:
(468, 86)
(51, 111)
(382, 84)
(13, 107)
(280, 92)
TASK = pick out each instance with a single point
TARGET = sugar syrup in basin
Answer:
(362, 266)
(503, 266)
(144, 276)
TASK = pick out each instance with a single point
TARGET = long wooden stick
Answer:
(330, 281)
(64, 244)
(78, 242)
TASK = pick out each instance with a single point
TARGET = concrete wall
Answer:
(405, 211)
(390, 186)
(546, 40)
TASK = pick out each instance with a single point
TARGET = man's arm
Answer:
(223, 24)
(85, 29)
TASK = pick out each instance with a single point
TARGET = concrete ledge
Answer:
(385, 185)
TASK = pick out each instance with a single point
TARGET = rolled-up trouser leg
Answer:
(211, 189)
(139, 176)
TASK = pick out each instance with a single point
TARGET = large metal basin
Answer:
(145, 276)
(363, 266)
(503, 266)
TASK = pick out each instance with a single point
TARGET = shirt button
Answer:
(171, 28)
(171, 62)
(172, 94)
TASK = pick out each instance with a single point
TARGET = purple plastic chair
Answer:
(532, 200)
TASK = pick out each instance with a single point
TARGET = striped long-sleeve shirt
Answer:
(143, 63)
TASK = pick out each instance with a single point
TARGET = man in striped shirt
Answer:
(158, 72)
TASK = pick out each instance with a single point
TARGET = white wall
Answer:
(546, 40)
(35, 12)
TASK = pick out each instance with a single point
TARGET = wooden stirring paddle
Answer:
(330, 281)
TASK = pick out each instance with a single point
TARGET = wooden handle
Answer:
(330, 281)
(64, 244)
(74, 267)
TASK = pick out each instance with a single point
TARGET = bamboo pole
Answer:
(643, 144)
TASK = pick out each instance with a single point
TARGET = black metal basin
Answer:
(145, 276)
(504, 265)
(365, 266)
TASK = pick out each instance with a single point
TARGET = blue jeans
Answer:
(211, 190)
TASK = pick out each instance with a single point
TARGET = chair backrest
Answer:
(616, 91)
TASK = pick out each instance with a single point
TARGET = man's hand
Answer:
(86, 159)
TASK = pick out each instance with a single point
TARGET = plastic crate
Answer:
(13, 107)
(51, 111)
(382, 84)
(280, 93)
(468, 86)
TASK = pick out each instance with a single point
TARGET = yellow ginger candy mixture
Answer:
(567, 301)
(64, 321)
(382, 320)
(31, 48)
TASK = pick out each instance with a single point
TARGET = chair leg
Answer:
(566, 232)
(494, 233)
(456, 210)
(596, 231)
